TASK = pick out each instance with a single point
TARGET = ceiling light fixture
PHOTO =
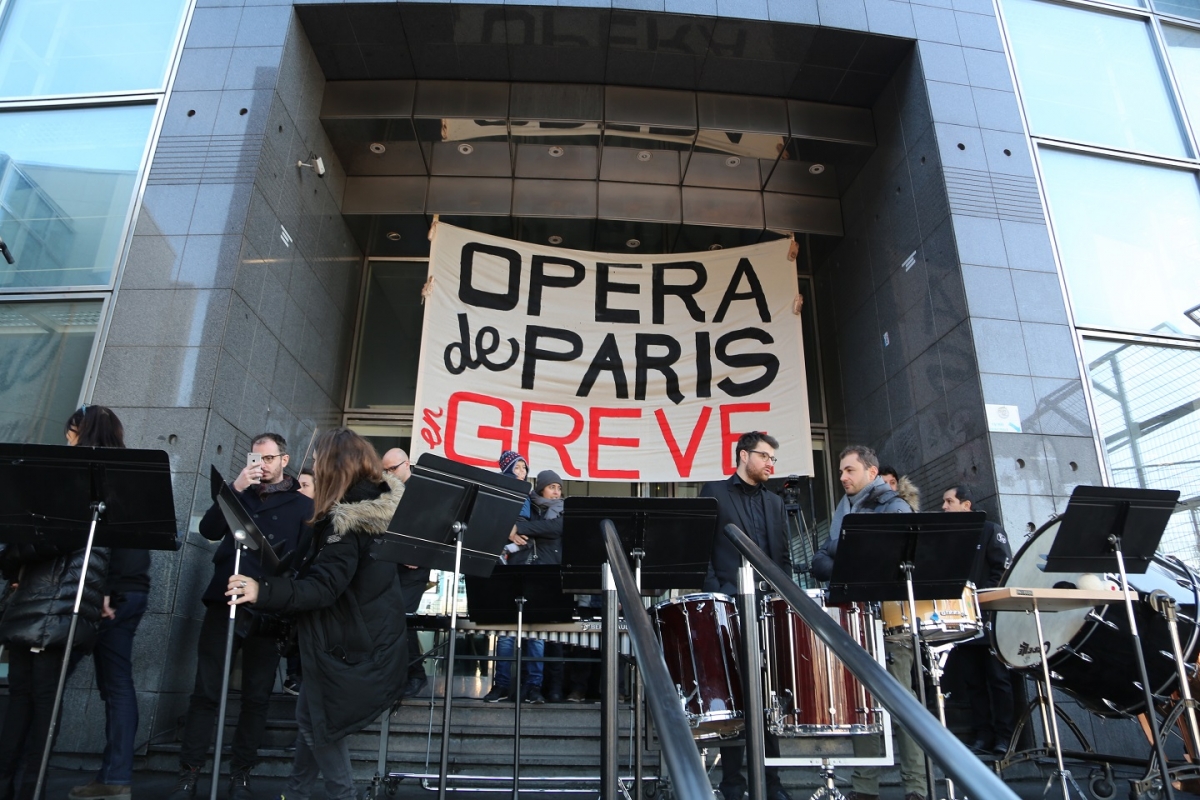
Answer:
(393, 236)
(732, 161)
(816, 169)
(378, 148)
(633, 244)
(466, 149)
(554, 238)
(555, 151)
(644, 155)
(716, 247)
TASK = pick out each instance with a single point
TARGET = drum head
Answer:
(1014, 634)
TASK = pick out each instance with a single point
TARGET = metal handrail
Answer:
(688, 775)
(954, 757)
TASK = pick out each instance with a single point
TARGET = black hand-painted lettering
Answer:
(538, 279)
(534, 353)
(607, 359)
(606, 286)
(684, 291)
(663, 363)
(744, 270)
(767, 361)
(487, 341)
(479, 298)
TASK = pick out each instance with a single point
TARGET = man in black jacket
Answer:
(743, 499)
(986, 680)
(274, 501)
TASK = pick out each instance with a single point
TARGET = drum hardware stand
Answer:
(919, 668)
(514, 683)
(829, 791)
(751, 655)
(937, 656)
(229, 636)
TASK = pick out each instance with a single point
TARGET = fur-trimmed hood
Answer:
(909, 493)
(369, 515)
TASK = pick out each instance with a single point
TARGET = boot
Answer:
(185, 786)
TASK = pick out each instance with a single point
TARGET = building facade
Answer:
(996, 204)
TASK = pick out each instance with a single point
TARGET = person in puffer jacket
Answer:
(43, 579)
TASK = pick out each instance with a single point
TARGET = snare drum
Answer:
(809, 691)
(954, 620)
(701, 638)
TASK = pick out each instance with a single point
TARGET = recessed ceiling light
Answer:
(716, 247)
(554, 238)
(732, 161)
(395, 237)
(644, 155)
(555, 151)
(817, 169)
(633, 244)
(466, 149)
(378, 148)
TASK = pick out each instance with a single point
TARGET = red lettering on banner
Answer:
(729, 437)
(683, 461)
(501, 433)
(431, 431)
(596, 441)
(558, 443)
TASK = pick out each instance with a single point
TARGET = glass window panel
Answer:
(66, 181)
(1129, 238)
(1147, 400)
(45, 349)
(389, 346)
(1183, 47)
(1181, 8)
(50, 47)
(1092, 77)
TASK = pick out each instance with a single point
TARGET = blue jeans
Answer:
(531, 669)
(114, 678)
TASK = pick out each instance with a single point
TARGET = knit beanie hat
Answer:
(509, 459)
(545, 478)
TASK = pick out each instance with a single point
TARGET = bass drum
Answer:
(1091, 653)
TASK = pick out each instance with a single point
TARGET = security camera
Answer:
(317, 165)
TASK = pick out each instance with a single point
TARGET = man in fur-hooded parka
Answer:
(350, 614)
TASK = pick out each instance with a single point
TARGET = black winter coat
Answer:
(349, 611)
(281, 516)
(726, 558)
(39, 612)
(545, 539)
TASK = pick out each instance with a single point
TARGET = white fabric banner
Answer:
(609, 367)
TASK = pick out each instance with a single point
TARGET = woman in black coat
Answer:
(349, 610)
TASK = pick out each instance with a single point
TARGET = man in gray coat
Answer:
(867, 493)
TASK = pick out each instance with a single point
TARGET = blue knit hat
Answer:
(509, 459)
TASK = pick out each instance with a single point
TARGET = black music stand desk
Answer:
(84, 497)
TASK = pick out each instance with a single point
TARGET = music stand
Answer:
(246, 537)
(84, 497)
(669, 540)
(906, 557)
(1106, 529)
(457, 518)
(501, 599)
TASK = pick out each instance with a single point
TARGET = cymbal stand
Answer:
(1147, 691)
(937, 663)
(919, 668)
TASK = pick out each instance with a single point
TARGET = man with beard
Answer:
(743, 499)
(867, 493)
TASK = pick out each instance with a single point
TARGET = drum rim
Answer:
(695, 597)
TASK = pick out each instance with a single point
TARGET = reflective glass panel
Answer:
(1147, 400)
(66, 181)
(1129, 238)
(1092, 77)
(44, 351)
(389, 345)
(50, 47)
(1183, 47)
(1181, 8)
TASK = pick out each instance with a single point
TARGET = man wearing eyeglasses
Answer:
(743, 499)
(413, 581)
(273, 499)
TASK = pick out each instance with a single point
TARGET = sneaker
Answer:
(96, 790)
(554, 696)
(239, 785)
(533, 695)
(291, 684)
(497, 694)
(185, 786)
(576, 696)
